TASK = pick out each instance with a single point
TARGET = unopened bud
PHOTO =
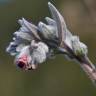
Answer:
(23, 59)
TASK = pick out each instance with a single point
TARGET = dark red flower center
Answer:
(21, 64)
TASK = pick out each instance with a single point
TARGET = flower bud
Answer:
(78, 47)
(48, 31)
(23, 59)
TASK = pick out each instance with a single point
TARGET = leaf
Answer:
(61, 25)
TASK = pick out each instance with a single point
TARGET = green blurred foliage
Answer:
(57, 77)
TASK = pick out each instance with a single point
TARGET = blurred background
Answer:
(56, 77)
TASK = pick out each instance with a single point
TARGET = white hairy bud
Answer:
(40, 53)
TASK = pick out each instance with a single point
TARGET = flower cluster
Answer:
(33, 45)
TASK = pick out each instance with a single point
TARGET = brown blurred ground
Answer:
(57, 77)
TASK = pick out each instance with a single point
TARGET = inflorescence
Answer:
(33, 45)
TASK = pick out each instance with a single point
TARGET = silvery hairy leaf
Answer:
(32, 28)
(50, 21)
(48, 31)
(61, 25)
